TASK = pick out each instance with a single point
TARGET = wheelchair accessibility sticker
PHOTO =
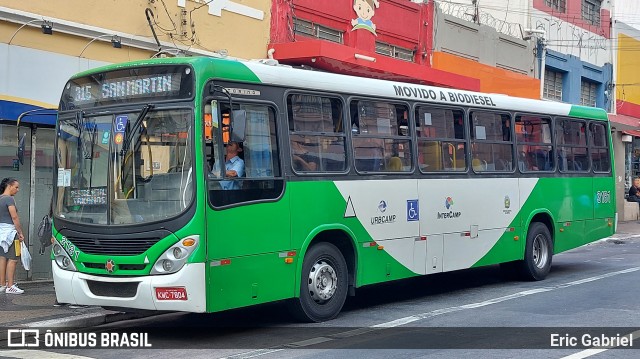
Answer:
(413, 213)
(120, 127)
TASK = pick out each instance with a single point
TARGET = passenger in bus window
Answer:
(395, 164)
(302, 157)
(634, 191)
(527, 161)
(234, 166)
(506, 128)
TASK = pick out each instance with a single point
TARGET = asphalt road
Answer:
(592, 291)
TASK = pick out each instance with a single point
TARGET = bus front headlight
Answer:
(174, 258)
(62, 258)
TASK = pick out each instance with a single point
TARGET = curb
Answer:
(88, 320)
(34, 283)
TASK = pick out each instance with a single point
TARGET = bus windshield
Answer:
(124, 167)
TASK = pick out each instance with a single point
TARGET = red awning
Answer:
(634, 133)
(347, 60)
(625, 123)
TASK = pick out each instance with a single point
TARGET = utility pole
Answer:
(476, 12)
(541, 51)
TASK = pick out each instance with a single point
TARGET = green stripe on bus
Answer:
(588, 112)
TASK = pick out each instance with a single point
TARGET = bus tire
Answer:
(323, 284)
(538, 253)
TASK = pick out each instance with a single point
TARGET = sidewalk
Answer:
(34, 308)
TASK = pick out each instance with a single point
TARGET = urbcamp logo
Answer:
(448, 203)
(507, 204)
(110, 266)
(382, 207)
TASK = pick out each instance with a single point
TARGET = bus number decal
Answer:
(70, 248)
(603, 197)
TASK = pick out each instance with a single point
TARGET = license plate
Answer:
(171, 293)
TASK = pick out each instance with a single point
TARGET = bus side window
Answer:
(571, 139)
(441, 142)
(600, 157)
(379, 136)
(316, 133)
(263, 177)
(533, 137)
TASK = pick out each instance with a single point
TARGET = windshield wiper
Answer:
(79, 125)
(129, 137)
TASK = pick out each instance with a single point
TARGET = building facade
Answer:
(626, 112)
(401, 40)
(43, 43)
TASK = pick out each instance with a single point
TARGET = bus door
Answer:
(431, 229)
(466, 221)
(248, 222)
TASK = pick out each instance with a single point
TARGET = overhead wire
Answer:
(567, 43)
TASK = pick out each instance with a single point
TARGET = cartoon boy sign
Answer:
(365, 11)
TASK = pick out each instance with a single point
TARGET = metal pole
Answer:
(541, 63)
(32, 198)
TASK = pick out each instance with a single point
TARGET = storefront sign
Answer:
(216, 7)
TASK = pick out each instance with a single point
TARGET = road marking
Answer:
(431, 314)
(38, 354)
(252, 354)
(416, 317)
(585, 353)
(592, 351)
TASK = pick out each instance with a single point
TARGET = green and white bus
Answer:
(347, 182)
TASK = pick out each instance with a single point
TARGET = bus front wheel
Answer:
(538, 253)
(323, 284)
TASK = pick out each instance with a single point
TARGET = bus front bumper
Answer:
(133, 292)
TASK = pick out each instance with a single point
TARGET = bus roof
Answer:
(286, 76)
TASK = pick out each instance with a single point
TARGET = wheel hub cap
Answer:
(323, 282)
(540, 252)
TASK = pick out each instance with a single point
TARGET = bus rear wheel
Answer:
(538, 253)
(323, 284)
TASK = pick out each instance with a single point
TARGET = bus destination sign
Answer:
(149, 86)
(127, 86)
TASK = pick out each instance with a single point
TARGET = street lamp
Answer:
(47, 28)
(116, 42)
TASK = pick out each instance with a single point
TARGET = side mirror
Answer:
(21, 148)
(238, 125)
